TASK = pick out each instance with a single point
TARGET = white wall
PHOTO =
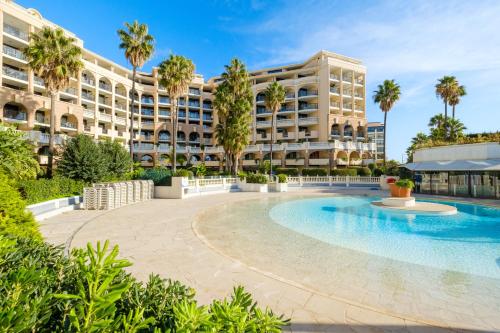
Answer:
(477, 151)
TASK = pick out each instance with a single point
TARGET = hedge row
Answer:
(39, 190)
(364, 171)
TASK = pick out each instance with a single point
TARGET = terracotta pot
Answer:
(399, 192)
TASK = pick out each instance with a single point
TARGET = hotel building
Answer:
(322, 122)
(376, 135)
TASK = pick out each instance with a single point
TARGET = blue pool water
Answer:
(467, 242)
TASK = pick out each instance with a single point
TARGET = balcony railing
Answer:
(335, 91)
(13, 31)
(287, 109)
(15, 115)
(88, 81)
(358, 95)
(334, 77)
(195, 92)
(309, 106)
(88, 96)
(147, 112)
(147, 101)
(194, 104)
(347, 106)
(105, 86)
(39, 81)
(307, 93)
(207, 106)
(347, 78)
(262, 111)
(14, 73)
(103, 100)
(182, 115)
(70, 90)
(67, 124)
(164, 113)
(164, 100)
(260, 98)
(290, 95)
(347, 93)
(335, 105)
(15, 53)
(207, 118)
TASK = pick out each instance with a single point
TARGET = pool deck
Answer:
(158, 237)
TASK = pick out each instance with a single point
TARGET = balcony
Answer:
(68, 125)
(355, 161)
(194, 91)
(88, 96)
(249, 162)
(347, 78)
(358, 95)
(347, 93)
(105, 117)
(88, 114)
(16, 32)
(263, 124)
(103, 101)
(164, 113)
(319, 161)
(15, 115)
(287, 109)
(335, 91)
(193, 104)
(308, 93)
(308, 106)
(308, 121)
(263, 111)
(105, 86)
(207, 106)
(334, 105)
(359, 81)
(341, 161)
(308, 135)
(121, 121)
(290, 95)
(120, 107)
(13, 52)
(41, 120)
(144, 147)
(146, 112)
(147, 123)
(70, 91)
(334, 77)
(207, 118)
(39, 81)
(88, 81)
(285, 122)
(163, 100)
(194, 116)
(293, 162)
(15, 73)
(285, 136)
(149, 101)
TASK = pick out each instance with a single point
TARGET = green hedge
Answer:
(282, 178)
(344, 172)
(293, 172)
(14, 219)
(44, 291)
(160, 176)
(314, 172)
(39, 190)
(364, 172)
(256, 178)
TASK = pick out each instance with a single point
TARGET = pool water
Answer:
(467, 242)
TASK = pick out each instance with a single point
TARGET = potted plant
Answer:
(254, 182)
(282, 184)
(402, 188)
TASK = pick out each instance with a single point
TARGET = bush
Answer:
(391, 168)
(364, 172)
(199, 170)
(256, 178)
(82, 159)
(344, 172)
(160, 176)
(314, 172)
(14, 219)
(242, 175)
(39, 190)
(264, 167)
(293, 172)
(42, 291)
(184, 173)
(17, 160)
(282, 178)
(377, 172)
(118, 161)
(406, 183)
(372, 166)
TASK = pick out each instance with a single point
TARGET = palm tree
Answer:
(274, 96)
(455, 129)
(139, 47)
(436, 121)
(445, 89)
(54, 58)
(455, 98)
(175, 75)
(386, 95)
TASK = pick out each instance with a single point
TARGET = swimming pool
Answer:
(467, 242)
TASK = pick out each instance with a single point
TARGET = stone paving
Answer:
(158, 237)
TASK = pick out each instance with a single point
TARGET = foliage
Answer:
(406, 183)
(377, 172)
(288, 171)
(175, 75)
(14, 219)
(39, 190)
(242, 175)
(233, 103)
(117, 159)
(386, 95)
(184, 173)
(391, 168)
(446, 89)
(344, 172)
(200, 170)
(282, 178)
(160, 176)
(364, 172)
(372, 166)
(17, 159)
(264, 167)
(83, 159)
(314, 172)
(256, 178)
(274, 96)
(43, 291)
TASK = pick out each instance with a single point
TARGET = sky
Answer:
(412, 42)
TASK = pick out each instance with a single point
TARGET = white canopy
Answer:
(456, 165)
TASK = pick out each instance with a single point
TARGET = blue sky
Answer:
(413, 42)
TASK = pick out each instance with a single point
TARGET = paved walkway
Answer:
(157, 236)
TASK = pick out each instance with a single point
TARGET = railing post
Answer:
(330, 181)
(300, 181)
(224, 183)
(197, 184)
(346, 181)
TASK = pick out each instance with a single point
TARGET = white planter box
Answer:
(248, 187)
(176, 191)
(278, 187)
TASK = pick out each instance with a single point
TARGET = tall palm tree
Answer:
(274, 96)
(386, 95)
(445, 89)
(54, 58)
(138, 45)
(175, 75)
(455, 98)
(436, 121)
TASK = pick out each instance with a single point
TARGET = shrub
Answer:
(14, 219)
(242, 175)
(264, 167)
(314, 172)
(288, 171)
(39, 190)
(118, 161)
(391, 168)
(344, 172)
(377, 172)
(17, 160)
(42, 291)
(282, 178)
(184, 173)
(199, 170)
(406, 183)
(82, 159)
(372, 166)
(160, 176)
(256, 178)
(364, 172)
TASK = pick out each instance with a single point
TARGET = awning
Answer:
(464, 165)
